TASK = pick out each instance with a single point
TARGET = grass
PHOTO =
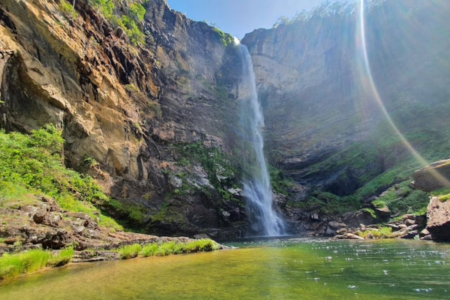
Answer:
(32, 166)
(13, 265)
(130, 251)
(62, 258)
(168, 248)
(380, 233)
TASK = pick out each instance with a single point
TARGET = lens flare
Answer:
(370, 85)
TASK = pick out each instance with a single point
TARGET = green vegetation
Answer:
(376, 233)
(168, 248)
(12, 265)
(225, 38)
(216, 163)
(68, 9)
(280, 184)
(370, 211)
(130, 22)
(444, 198)
(130, 251)
(402, 199)
(33, 165)
(327, 204)
(62, 258)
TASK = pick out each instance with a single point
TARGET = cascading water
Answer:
(264, 221)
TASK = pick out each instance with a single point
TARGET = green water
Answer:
(287, 269)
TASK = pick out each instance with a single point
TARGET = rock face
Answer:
(439, 220)
(327, 118)
(156, 124)
(433, 177)
(126, 110)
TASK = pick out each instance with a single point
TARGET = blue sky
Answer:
(239, 17)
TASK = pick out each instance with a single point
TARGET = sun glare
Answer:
(371, 89)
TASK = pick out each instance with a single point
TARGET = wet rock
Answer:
(354, 219)
(201, 236)
(439, 219)
(353, 236)
(433, 177)
(424, 232)
(336, 225)
(426, 238)
(341, 231)
(409, 222)
(383, 212)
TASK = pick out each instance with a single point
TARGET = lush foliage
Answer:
(33, 165)
(12, 265)
(225, 38)
(129, 22)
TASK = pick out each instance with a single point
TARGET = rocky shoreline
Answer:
(44, 225)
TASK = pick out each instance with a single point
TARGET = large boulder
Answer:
(439, 219)
(433, 177)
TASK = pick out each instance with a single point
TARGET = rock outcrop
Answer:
(433, 177)
(439, 219)
(45, 225)
(126, 110)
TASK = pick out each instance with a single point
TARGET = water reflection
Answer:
(280, 269)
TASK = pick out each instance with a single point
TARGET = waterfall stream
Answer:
(264, 221)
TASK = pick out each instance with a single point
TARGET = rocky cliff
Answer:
(135, 116)
(333, 89)
(148, 104)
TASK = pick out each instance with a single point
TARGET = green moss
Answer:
(377, 233)
(378, 204)
(444, 198)
(279, 182)
(370, 211)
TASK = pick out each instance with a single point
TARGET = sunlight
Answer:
(370, 85)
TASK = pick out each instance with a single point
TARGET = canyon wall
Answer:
(135, 117)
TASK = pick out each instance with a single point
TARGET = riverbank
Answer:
(16, 264)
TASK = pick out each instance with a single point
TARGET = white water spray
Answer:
(263, 219)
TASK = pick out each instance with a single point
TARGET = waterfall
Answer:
(264, 221)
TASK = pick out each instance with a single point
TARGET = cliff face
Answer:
(325, 125)
(127, 111)
(157, 124)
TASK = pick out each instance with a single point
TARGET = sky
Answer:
(239, 17)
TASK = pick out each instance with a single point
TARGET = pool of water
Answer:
(270, 269)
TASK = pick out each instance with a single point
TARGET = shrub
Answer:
(137, 12)
(130, 251)
(33, 165)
